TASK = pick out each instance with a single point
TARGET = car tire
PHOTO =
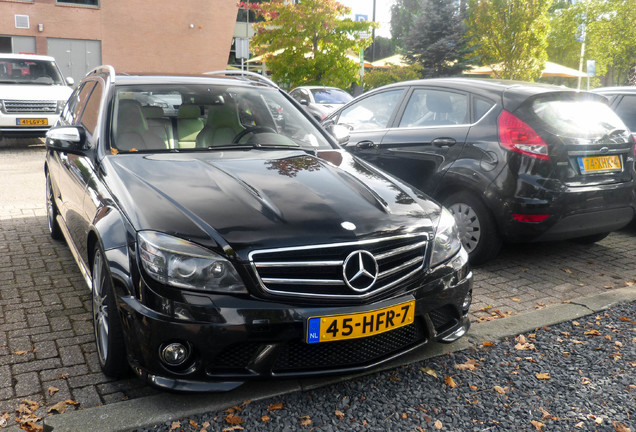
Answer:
(589, 239)
(477, 229)
(109, 337)
(51, 211)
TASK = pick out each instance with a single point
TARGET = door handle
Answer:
(366, 144)
(443, 142)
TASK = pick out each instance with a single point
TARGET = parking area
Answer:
(47, 352)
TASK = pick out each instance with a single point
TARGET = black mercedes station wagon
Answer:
(224, 236)
(512, 161)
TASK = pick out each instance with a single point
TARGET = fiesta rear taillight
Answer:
(516, 135)
(530, 218)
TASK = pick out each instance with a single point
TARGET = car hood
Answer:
(35, 92)
(241, 201)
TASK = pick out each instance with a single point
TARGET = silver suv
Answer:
(32, 94)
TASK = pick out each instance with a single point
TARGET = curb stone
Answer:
(151, 410)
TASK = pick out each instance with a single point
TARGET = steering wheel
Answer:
(252, 130)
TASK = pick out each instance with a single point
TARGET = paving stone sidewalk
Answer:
(47, 352)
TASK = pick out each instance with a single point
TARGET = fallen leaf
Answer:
(61, 406)
(450, 382)
(488, 344)
(592, 333)
(500, 390)
(576, 323)
(340, 414)
(516, 299)
(305, 421)
(473, 387)
(275, 407)
(4, 418)
(543, 375)
(585, 381)
(567, 270)
(174, 426)
(579, 425)
(608, 287)
(194, 424)
(21, 352)
(404, 416)
(537, 424)
(265, 418)
(30, 426)
(620, 427)
(233, 419)
(438, 425)
(429, 371)
(469, 364)
(53, 390)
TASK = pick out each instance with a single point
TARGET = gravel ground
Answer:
(576, 376)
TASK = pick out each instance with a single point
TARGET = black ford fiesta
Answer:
(224, 237)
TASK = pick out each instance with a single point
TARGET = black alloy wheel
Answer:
(109, 337)
(51, 211)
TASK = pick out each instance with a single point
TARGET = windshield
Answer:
(208, 117)
(39, 72)
(331, 96)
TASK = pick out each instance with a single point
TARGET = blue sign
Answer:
(313, 330)
(362, 17)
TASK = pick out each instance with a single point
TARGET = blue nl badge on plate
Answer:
(313, 330)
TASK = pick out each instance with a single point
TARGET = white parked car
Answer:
(32, 94)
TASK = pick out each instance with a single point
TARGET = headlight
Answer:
(177, 262)
(446, 242)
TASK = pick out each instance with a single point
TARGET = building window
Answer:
(80, 2)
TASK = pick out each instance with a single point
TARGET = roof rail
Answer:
(246, 75)
(104, 69)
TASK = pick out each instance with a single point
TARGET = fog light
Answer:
(174, 354)
(467, 301)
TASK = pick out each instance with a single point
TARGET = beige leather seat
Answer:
(132, 131)
(222, 125)
(189, 124)
(158, 124)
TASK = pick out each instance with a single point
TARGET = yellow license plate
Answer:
(599, 163)
(361, 324)
(32, 122)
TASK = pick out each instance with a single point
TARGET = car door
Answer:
(426, 136)
(368, 119)
(76, 170)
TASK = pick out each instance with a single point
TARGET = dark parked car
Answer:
(623, 102)
(513, 161)
(320, 101)
(257, 249)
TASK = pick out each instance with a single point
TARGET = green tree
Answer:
(510, 36)
(610, 38)
(377, 77)
(403, 14)
(435, 39)
(307, 42)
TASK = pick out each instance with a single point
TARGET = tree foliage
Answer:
(307, 42)
(378, 77)
(403, 14)
(435, 39)
(610, 38)
(510, 36)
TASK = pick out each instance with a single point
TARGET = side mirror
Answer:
(70, 81)
(339, 132)
(304, 102)
(68, 139)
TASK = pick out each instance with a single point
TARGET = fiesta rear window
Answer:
(577, 117)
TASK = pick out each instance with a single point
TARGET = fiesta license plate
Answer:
(590, 164)
(32, 122)
(358, 325)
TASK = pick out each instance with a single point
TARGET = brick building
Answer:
(166, 36)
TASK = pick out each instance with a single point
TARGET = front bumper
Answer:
(10, 124)
(245, 339)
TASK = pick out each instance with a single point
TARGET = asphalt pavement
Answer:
(47, 354)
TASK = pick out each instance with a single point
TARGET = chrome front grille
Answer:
(318, 271)
(29, 106)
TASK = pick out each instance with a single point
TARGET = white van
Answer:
(32, 94)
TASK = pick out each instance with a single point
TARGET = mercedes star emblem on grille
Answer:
(360, 270)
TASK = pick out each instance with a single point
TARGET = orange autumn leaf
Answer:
(233, 419)
(275, 407)
(537, 424)
(339, 414)
(265, 418)
(469, 364)
(305, 421)
(450, 382)
(53, 390)
(488, 344)
(543, 375)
